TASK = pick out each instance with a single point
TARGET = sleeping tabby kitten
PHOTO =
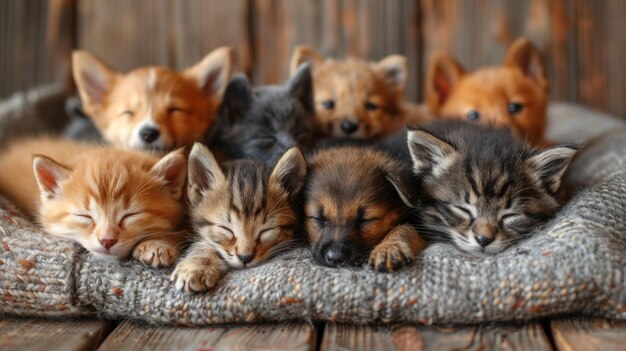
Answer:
(265, 122)
(242, 213)
(481, 188)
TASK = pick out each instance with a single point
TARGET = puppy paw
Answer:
(156, 253)
(389, 257)
(191, 278)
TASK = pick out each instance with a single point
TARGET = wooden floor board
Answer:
(132, 336)
(51, 335)
(589, 334)
(401, 337)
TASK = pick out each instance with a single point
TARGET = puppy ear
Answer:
(237, 99)
(94, 80)
(173, 169)
(213, 72)
(303, 54)
(525, 56)
(300, 86)
(549, 165)
(204, 173)
(404, 186)
(443, 74)
(393, 70)
(429, 153)
(49, 175)
(290, 171)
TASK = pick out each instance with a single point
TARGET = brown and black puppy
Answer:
(356, 207)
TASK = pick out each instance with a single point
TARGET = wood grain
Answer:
(131, 336)
(35, 42)
(48, 335)
(505, 337)
(366, 29)
(588, 335)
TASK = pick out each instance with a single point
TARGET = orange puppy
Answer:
(355, 98)
(513, 95)
(152, 107)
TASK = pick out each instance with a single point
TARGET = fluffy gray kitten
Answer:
(264, 122)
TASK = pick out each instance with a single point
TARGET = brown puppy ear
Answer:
(525, 56)
(94, 80)
(303, 54)
(444, 72)
(393, 70)
(407, 191)
(214, 71)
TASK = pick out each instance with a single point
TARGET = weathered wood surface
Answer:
(48, 335)
(131, 336)
(588, 335)
(176, 34)
(401, 337)
(35, 43)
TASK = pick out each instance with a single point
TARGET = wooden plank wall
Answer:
(584, 40)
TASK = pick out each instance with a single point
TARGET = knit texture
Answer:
(574, 264)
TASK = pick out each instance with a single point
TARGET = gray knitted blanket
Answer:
(575, 264)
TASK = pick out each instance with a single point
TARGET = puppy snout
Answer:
(336, 256)
(149, 134)
(349, 127)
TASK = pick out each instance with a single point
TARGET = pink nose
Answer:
(107, 243)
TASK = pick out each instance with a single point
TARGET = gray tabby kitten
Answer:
(481, 188)
(265, 122)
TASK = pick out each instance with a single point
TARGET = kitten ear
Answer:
(428, 152)
(49, 175)
(550, 165)
(406, 190)
(300, 86)
(173, 169)
(303, 54)
(213, 72)
(237, 99)
(393, 70)
(290, 171)
(93, 78)
(525, 56)
(204, 172)
(444, 72)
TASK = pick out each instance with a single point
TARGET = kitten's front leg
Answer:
(199, 270)
(398, 249)
(161, 251)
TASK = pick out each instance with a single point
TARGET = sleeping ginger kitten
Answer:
(112, 202)
(242, 212)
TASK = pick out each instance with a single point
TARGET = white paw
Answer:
(192, 278)
(156, 253)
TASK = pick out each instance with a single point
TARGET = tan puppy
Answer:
(355, 98)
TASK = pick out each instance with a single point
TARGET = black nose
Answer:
(245, 258)
(484, 240)
(349, 127)
(336, 255)
(149, 134)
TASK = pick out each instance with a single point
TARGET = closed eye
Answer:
(127, 113)
(83, 218)
(265, 234)
(462, 212)
(173, 110)
(268, 140)
(129, 215)
(510, 218)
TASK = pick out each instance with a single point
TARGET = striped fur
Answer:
(481, 188)
(242, 213)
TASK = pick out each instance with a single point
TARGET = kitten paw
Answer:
(389, 257)
(190, 278)
(156, 253)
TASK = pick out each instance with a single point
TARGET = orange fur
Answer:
(96, 194)
(355, 98)
(180, 106)
(521, 79)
